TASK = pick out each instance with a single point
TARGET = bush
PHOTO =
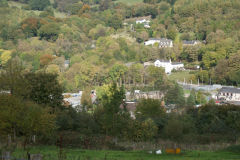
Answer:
(234, 148)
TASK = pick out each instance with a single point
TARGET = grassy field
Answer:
(130, 2)
(51, 153)
(179, 76)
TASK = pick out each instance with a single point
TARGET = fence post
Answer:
(6, 155)
(36, 157)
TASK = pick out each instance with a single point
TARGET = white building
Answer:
(163, 42)
(73, 99)
(142, 21)
(66, 63)
(152, 41)
(168, 65)
(191, 43)
(229, 94)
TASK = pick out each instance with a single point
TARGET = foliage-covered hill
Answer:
(45, 35)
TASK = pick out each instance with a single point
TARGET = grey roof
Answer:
(67, 62)
(154, 38)
(129, 64)
(161, 39)
(175, 63)
(165, 40)
(229, 90)
(162, 60)
(189, 42)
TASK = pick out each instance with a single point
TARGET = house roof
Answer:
(67, 62)
(162, 60)
(229, 90)
(234, 102)
(129, 64)
(161, 39)
(176, 63)
(190, 42)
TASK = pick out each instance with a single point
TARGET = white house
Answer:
(168, 65)
(152, 41)
(73, 99)
(162, 42)
(147, 26)
(191, 43)
(229, 94)
(66, 63)
(142, 21)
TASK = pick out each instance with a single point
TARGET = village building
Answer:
(142, 21)
(146, 64)
(73, 99)
(165, 43)
(229, 94)
(162, 42)
(191, 43)
(168, 65)
(145, 21)
(66, 63)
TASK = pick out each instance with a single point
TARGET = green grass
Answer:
(51, 153)
(179, 76)
(130, 2)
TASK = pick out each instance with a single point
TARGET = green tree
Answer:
(49, 31)
(111, 113)
(86, 100)
(12, 78)
(115, 21)
(149, 108)
(200, 98)
(175, 95)
(191, 100)
(39, 4)
(171, 34)
(44, 89)
(117, 73)
(24, 118)
(156, 77)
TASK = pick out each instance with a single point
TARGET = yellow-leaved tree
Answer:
(5, 55)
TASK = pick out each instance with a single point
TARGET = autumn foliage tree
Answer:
(46, 59)
(30, 26)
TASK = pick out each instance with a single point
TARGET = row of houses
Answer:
(229, 95)
(162, 42)
(168, 43)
